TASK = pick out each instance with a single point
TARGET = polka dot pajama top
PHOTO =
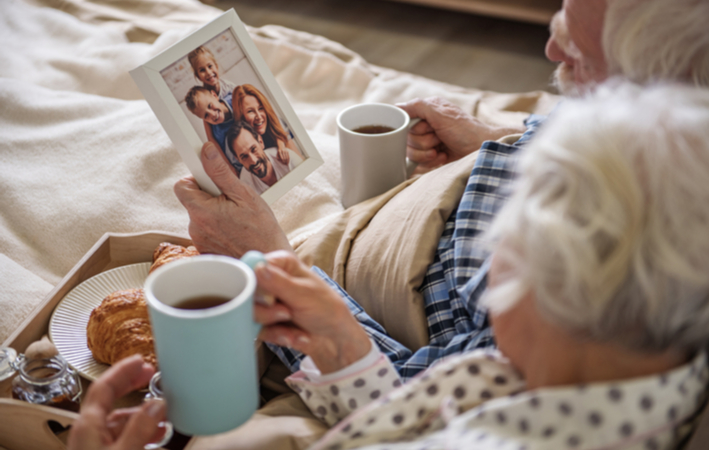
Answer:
(477, 401)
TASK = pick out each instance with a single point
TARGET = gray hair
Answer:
(608, 223)
(657, 40)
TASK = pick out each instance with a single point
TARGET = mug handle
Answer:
(252, 258)
(166, 437)
(411, 165)
(157, 393)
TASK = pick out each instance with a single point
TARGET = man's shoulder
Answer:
(295, 160)
(273, 153)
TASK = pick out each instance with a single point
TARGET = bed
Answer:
(82, 154)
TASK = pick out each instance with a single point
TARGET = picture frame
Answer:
(187, 87)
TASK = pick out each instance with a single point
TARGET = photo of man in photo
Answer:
(261, 166)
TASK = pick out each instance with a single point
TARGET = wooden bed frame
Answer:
(533, 11)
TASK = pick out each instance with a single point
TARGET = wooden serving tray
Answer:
(111, 251)
(26, 426)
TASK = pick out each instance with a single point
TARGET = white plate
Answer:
(67, 327)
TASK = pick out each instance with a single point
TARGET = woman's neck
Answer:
(569, 360)
(550, 355)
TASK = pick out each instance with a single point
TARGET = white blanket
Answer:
(81, 153)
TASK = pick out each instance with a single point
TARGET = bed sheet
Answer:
(81, 153)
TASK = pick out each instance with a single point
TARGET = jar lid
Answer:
(7, 356)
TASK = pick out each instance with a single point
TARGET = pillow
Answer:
(379, 250)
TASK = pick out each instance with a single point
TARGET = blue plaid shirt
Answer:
(456, 279)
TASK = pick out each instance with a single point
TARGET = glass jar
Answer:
(49, 382)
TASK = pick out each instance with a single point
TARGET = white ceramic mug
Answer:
(371, 164)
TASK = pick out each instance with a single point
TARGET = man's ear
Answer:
(260, 140)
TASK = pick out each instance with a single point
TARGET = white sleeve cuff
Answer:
(309, 368)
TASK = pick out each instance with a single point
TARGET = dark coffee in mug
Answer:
(202, 302)
(373, 129)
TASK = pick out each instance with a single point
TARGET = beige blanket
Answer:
(81, 153)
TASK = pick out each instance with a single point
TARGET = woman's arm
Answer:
(334, 396)
(282, 153)
(312, 318)
(292, 145)
(309, 316)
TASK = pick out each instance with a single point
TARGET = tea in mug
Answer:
(202, 302)
(373, 129)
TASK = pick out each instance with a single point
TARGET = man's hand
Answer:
(309, 316)
(100, 429)
(237, 221)
(446, 133)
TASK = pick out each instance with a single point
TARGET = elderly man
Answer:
(642, 40)
(263, 168)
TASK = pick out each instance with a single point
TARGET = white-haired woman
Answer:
(598, 297)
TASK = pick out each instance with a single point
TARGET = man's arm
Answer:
(233, 223)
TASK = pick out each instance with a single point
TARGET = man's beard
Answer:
(260, 168)
(563, 80)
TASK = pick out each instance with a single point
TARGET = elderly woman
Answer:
(598, 297)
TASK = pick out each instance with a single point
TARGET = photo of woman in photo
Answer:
(251, 106)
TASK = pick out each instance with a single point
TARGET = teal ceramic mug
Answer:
(206, 356)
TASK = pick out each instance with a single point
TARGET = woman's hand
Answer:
(282, 153)
(125, 429)
(309, 316)
(446, 133)
(237, 221)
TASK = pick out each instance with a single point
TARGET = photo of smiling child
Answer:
(206, 69)
(215, 112)
(213, 81)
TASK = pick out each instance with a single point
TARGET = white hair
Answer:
(657, 40)
(608, 223)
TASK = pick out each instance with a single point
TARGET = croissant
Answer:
(167, 252)
(120, 327)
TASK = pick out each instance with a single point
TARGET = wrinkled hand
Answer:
(125, 429)
(309, 315)
(446, 133)
(237, 221)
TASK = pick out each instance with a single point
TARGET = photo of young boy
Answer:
(205, 83)
(215, 112)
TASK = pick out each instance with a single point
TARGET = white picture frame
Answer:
(165, 78)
